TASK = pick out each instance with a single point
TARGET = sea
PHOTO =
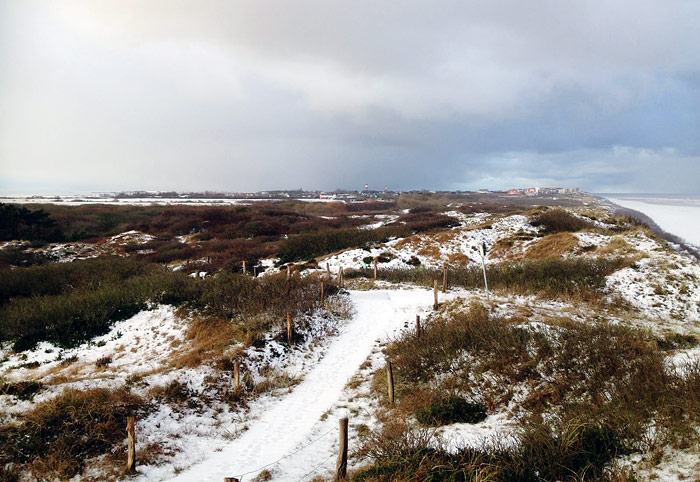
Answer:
(678, 214)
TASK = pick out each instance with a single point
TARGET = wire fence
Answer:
(259, 469)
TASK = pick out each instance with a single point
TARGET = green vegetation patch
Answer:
(73, 302)
(558, 221)
(310, 245)
(452, 409)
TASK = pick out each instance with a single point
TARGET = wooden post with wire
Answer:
(323, 291)
(131, 445)
(290, 332)
(418, 325)
(483, 250)
(340, 276)
(237, 378)
(375, 268)
(390, 381)
(444, 279)
(435, 291)
(341, 466)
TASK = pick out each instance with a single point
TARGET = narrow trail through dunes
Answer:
(293, 428)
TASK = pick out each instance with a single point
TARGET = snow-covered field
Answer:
(292, 433)
(676, 216)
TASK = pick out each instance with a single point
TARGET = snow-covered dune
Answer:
(297, 420)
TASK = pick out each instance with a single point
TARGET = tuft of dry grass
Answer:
(207, 339)
(552, 246)
(103, 362)
(617, 246)
(572, 278)
(274, 380)
(57, 436)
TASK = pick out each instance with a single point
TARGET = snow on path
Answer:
(296, 420)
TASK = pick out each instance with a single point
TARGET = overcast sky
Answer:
(253, 95)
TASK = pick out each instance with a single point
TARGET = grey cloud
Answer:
(253, 95)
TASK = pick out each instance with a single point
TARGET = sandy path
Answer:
(295, 420)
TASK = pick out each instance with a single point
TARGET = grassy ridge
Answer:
(57, 278)
(570, 277)
(69, 303)
(310, 245)
(72, 302)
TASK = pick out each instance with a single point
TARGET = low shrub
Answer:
(58, 435)
(452, 409)
(24, 390)
(413, 261)
(57, 278)
(310, 245)
(102, 292)
(21, 257)
(19, 222)
(558, 220)
(571, 453)
(675, 341)
(103, 362)
(234, 296)
(427, 220)
(174, 393)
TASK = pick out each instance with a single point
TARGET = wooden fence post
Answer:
(390, 381)
(341, 466)
(375, 268)
(131, 447)
(255, 271)
(290, 333)
(237, 378)
(418, 325)
(289, 271)
(323, 291)
(340, 276)
(435, 291)
(244, 270)
(328, 269)
(444, 279)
